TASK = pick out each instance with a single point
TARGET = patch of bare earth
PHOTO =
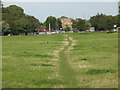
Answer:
(73, 42)
(56, 52)
(75, 65)
(5, 57)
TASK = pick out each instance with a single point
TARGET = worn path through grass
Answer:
(66, 71)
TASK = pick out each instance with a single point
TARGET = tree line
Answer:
(100, 22)
(15, 21)
(104, 22)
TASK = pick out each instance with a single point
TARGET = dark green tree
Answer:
(1, 5)
(27, 24)
(59, 24)
(5, 28)
(12, 12)
(104, 22)
(19, 22)
(109, 22)
(87, 24)
(79, 24)
(52, 20)
(118, 20)
(42, 25)
(97, 21)
(67, 28)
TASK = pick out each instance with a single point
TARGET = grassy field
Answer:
(87, 60)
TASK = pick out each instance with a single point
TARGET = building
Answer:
(66, 22)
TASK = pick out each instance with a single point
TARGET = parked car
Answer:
(53, 32)
(62, 31)
(114, 30)
(37, 33)
(67, 31)
(47, 32)
(75, 31)
(41, 32)
(70, 31)
(83, 31)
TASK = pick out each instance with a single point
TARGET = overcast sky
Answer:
(60, 0)
(41, 10)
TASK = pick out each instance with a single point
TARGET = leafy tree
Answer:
(104, 22)
(59, 24)
(42, 25)
(19, 22)
(1, 5)
(67, 28)
(22, 26)
(87, 24)
(12, 12)
(116, 20)
(5, 28)
(96, 22)
(34, 22)
(26, 24)
(109, 22)
(52, 20)
(79, 24)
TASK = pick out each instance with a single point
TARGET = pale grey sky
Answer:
(60, 0)
(41, 10)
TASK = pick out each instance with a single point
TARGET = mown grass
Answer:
(98, 71)
(95, 59)
(29, 61)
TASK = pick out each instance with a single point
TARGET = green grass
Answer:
(28, 63)
(98, 71)
(95, 58)
(31, 61)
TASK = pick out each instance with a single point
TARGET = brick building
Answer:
(66, 22)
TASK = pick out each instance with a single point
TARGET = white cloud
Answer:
(60, 0)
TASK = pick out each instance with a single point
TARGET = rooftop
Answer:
(63, 17)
